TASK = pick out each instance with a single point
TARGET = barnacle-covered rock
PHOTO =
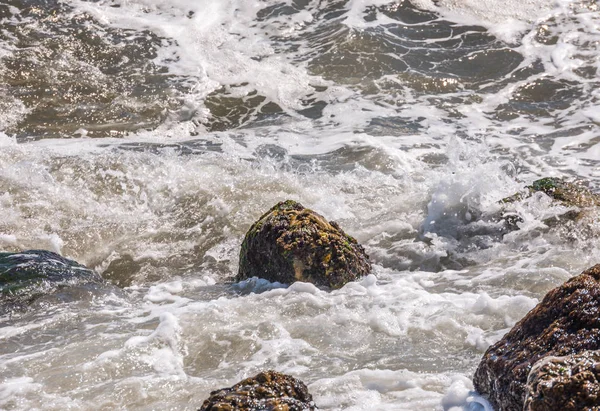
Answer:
(570, 383)
(267, 391)
(28, 274)
(566, 322)
(292, 243)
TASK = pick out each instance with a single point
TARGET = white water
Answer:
(389, 161)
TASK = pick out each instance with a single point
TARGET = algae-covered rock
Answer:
(568, 193)
(567, 321)
(267, 391)
(579, 202)
(292, 243)
(570, 383)
(28, 274)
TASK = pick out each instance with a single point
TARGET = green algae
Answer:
(269, 390)
(292, 243)
(572, 194)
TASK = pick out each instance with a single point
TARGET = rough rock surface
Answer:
(573, 193)
(567, 321)
(577, 220)
(570, 193)
(28, 274)
(267, 391)
(570, 383)
(292, 243)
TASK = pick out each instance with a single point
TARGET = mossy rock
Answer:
(581, 201)
(267, 391)
(28, 274)
(570, 193)
(292, 243)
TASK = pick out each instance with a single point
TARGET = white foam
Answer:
(8, 238)
(16, 386)
(407, 390)
(165, 292)
(506, 20)
(397, 339)
(216, 45)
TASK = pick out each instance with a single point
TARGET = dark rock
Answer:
(567, 321)
(28, 274)
(570, 383)
(292, 243)
(267, 391)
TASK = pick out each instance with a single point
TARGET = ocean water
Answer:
(143, 137)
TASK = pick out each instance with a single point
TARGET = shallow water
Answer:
(142, 138)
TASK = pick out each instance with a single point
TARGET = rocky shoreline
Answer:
(548, 361)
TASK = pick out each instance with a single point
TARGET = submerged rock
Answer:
(28, 274)
(292, 243)
(570, 383)
(121, 271)
(575, 216)
(267, 391)
(568, 193)
(567, 321)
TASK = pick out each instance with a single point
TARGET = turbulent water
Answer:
(143, 137)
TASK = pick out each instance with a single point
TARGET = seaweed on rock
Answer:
(569, 383)
(267, 391)
(293, 243)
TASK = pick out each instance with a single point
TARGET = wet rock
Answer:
(569, 193)
(29, 274)
(267, 391)
(567, 321)
(292, 243)
(570, 383)
(121, 271)
(576, 220)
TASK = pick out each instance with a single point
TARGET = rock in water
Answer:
(292, 243)
(567, 321)
(28, 274)
(267, 391)
(581, 202)
(569, 383)
(570, 193)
